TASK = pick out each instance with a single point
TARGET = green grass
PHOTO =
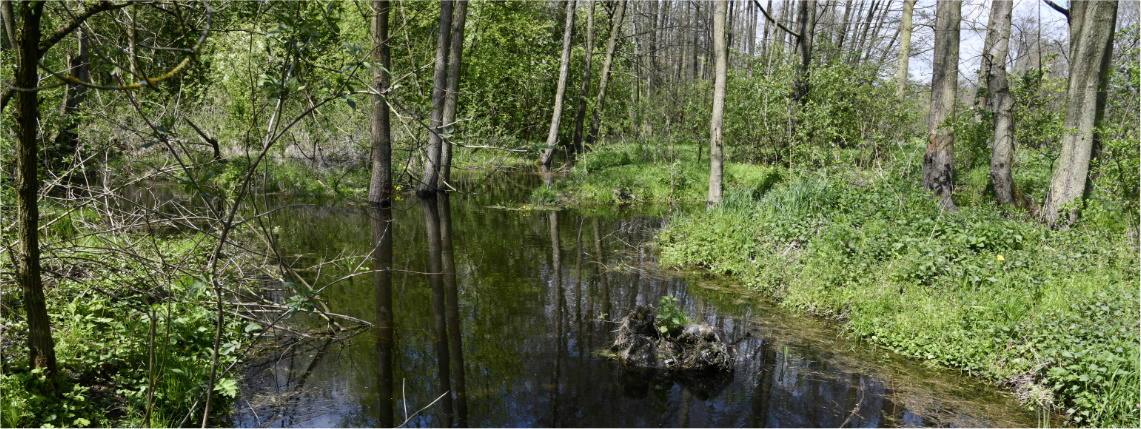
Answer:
(1051, 314)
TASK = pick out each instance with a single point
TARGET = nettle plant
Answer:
(670, 317)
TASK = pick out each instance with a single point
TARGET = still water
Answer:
(491, 313)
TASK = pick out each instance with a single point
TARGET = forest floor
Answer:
(1051, 315)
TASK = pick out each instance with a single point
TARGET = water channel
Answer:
(496, 312)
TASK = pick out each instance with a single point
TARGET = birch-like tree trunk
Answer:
(904, 48)
(564, 67)
(580, 113)
(939, 159)
(715, 152)
(604, 80)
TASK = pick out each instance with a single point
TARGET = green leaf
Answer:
(663, 329)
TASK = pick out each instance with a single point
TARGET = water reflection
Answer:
(499, 314)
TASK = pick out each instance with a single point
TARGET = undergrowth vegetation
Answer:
(113, 331)
(1052, 314)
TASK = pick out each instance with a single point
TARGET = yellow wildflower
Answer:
(1000, 258)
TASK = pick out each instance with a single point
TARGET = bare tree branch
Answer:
(779, 25)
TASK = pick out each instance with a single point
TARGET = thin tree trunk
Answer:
(765, 48)
(1091, 47)
(599, 101)
(380, 186)
(715, 152)
(904, 49)
(41, 346)
(580, 113)
(455, 56)
(844, 28)
(806, 26)
(431, 174)
(564, 68)
(940, 156)
(856, 53)
(67, 139)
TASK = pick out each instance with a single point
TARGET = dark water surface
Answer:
(505, 333)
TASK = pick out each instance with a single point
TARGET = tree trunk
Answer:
(456, 48)
(995, 47)
(380, 187)
(715, 153)
(564, 68)
(41, 346)
(856, 53)
(940, 156)
(67, 139)
(806, 26)
(1091, 46)
(848, 16)
(904, 49)
(431, 174)
(580, 113)
(997, 99)
(599, 101)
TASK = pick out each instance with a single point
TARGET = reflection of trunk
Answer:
(1091, 46)
(940, 155)
(556, 276)
(600, 265)
(382, 228)
(605, 78)
(439, 317)
(715, 153)
(380, 187)
(762, 394)
(580, 114)
(455, 341)
(456, 47)
(439, 86)
(564, 68)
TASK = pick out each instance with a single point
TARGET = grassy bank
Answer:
(1053, 315)
(116, 320)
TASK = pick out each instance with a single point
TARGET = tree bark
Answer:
(604, 79)
(580, 113)
(904, 49)
(564, 68)
(1091, 46)
(455, 60)
(995, 47)
(806, 26)
(380, 186)
(715, 152)
(997, 99)
(939, 159)
(41, 346)
(429, 179)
